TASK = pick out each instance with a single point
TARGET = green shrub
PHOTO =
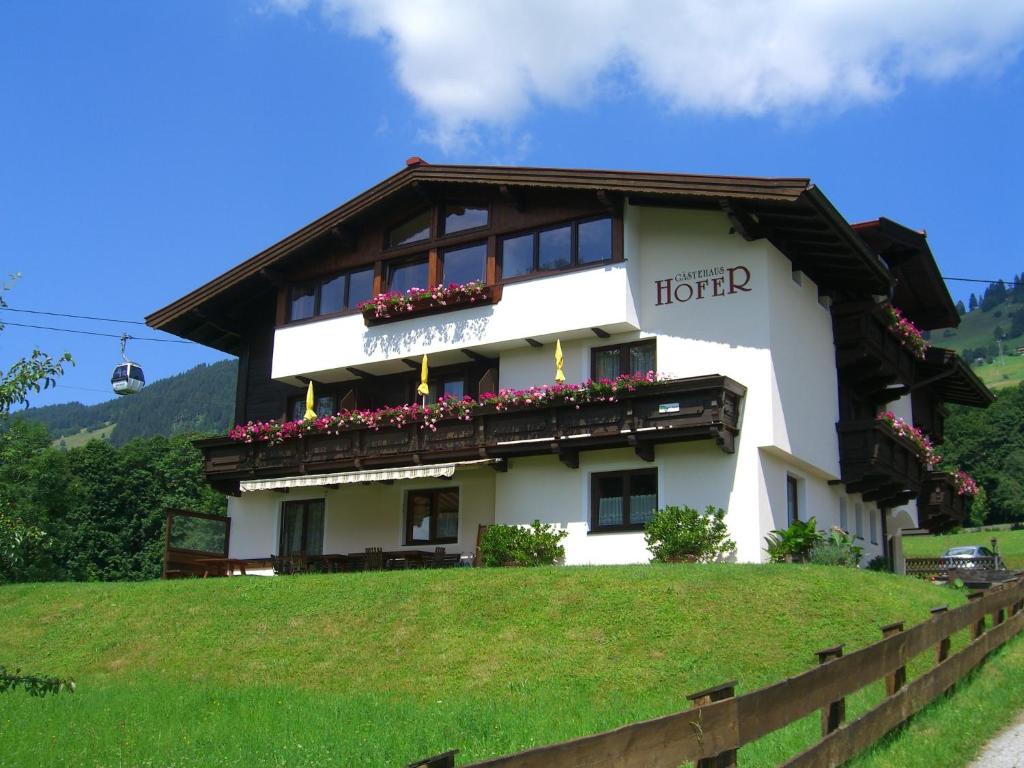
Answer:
(878, 563)
(793, 544)
(836, 548)
(676, 533)
(538, 544)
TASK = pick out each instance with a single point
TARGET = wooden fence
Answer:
(720, 722)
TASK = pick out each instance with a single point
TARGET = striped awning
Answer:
(362, 476)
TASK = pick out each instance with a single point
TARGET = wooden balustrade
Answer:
(879, 464)
(706, 407)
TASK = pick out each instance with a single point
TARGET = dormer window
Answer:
(411, 230)
(459, 218)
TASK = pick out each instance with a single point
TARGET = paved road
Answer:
(1005, 751)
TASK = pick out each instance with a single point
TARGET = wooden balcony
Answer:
(700, 408)
(878, 463)
(868, 356)
(940, 507)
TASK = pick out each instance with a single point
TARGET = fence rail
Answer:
(926, 567)
(721, 722)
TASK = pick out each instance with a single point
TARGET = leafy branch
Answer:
(34, 685)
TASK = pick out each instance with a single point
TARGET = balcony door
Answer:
(302, 528)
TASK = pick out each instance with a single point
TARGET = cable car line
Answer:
(76, 317)
(979, 280)
(96, 333)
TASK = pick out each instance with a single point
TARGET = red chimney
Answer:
(414, 161)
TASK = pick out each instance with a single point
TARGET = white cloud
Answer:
(472, 63)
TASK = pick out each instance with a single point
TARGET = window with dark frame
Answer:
(432, 516)
(623, 501)
(408, 273)
(330, 295)
(302, 528)
(460, 218)
(464, 264)
(412, 230)
(792, 499)
(634, 357)
(550, 249)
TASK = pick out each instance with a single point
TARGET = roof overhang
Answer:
(952, 380)
(920, 292)
(790, 212)
(416, 471)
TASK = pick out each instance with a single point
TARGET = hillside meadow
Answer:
(1010, 544)
(379, 669)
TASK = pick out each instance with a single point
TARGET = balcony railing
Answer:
(868, 355)
(700, 408)
(878, 463)
(940, 507)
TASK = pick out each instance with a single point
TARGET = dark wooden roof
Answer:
(952, 379)
(920, 292)
(791, 212)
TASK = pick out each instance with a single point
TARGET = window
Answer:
(613, 361)
(432, 517)
(452, 386)
(458, 218)
(404, 275)
(465, 264)
(411, 231)
(792, 499)
(302, 528)
(331, 295)
(844, 521)
(873, 526)
(568, 245)
(324, 405)
(858, 521)
(623, 501)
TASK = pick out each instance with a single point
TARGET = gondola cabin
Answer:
(128, 379)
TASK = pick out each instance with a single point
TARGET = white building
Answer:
(760, 306)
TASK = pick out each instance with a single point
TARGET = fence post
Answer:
(978, 627)
(942, 651)
(898, 678)
(444, 760)
(834, 713)
(725, 759)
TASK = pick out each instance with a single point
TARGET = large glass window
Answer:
(636, 357)
(407, 274)
(432, 517)
(331, 295)
(302, 528)
(573, 244)
(458, 218)
(410, 231)
(463, 265)
(302, 302)
(623, 500)
(594, 241)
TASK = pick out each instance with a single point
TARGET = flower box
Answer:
(416, 302)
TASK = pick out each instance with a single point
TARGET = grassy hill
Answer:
(976, 340)
(201, 399)
(379, 669)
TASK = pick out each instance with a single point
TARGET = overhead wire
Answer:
(96, 333)
(76, 317)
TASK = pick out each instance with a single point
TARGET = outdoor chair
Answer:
(374, 559)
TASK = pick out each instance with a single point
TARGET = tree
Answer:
(32, 374)
(972, 303)
(979, 509)
(960, 308)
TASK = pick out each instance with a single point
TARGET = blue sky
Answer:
(147, 147)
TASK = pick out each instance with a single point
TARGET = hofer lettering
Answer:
(720, 281)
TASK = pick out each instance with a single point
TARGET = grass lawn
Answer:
(379, 669)
(1005, 371)
(1011, 544)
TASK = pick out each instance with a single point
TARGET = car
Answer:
(966, 557)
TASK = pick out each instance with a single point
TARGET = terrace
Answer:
(698, 408)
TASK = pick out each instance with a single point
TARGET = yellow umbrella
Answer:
(559, 361)
(310, 413)
(423, 388)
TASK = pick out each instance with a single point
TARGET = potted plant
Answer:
(684, 535)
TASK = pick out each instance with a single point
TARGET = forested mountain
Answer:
(199, 400)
